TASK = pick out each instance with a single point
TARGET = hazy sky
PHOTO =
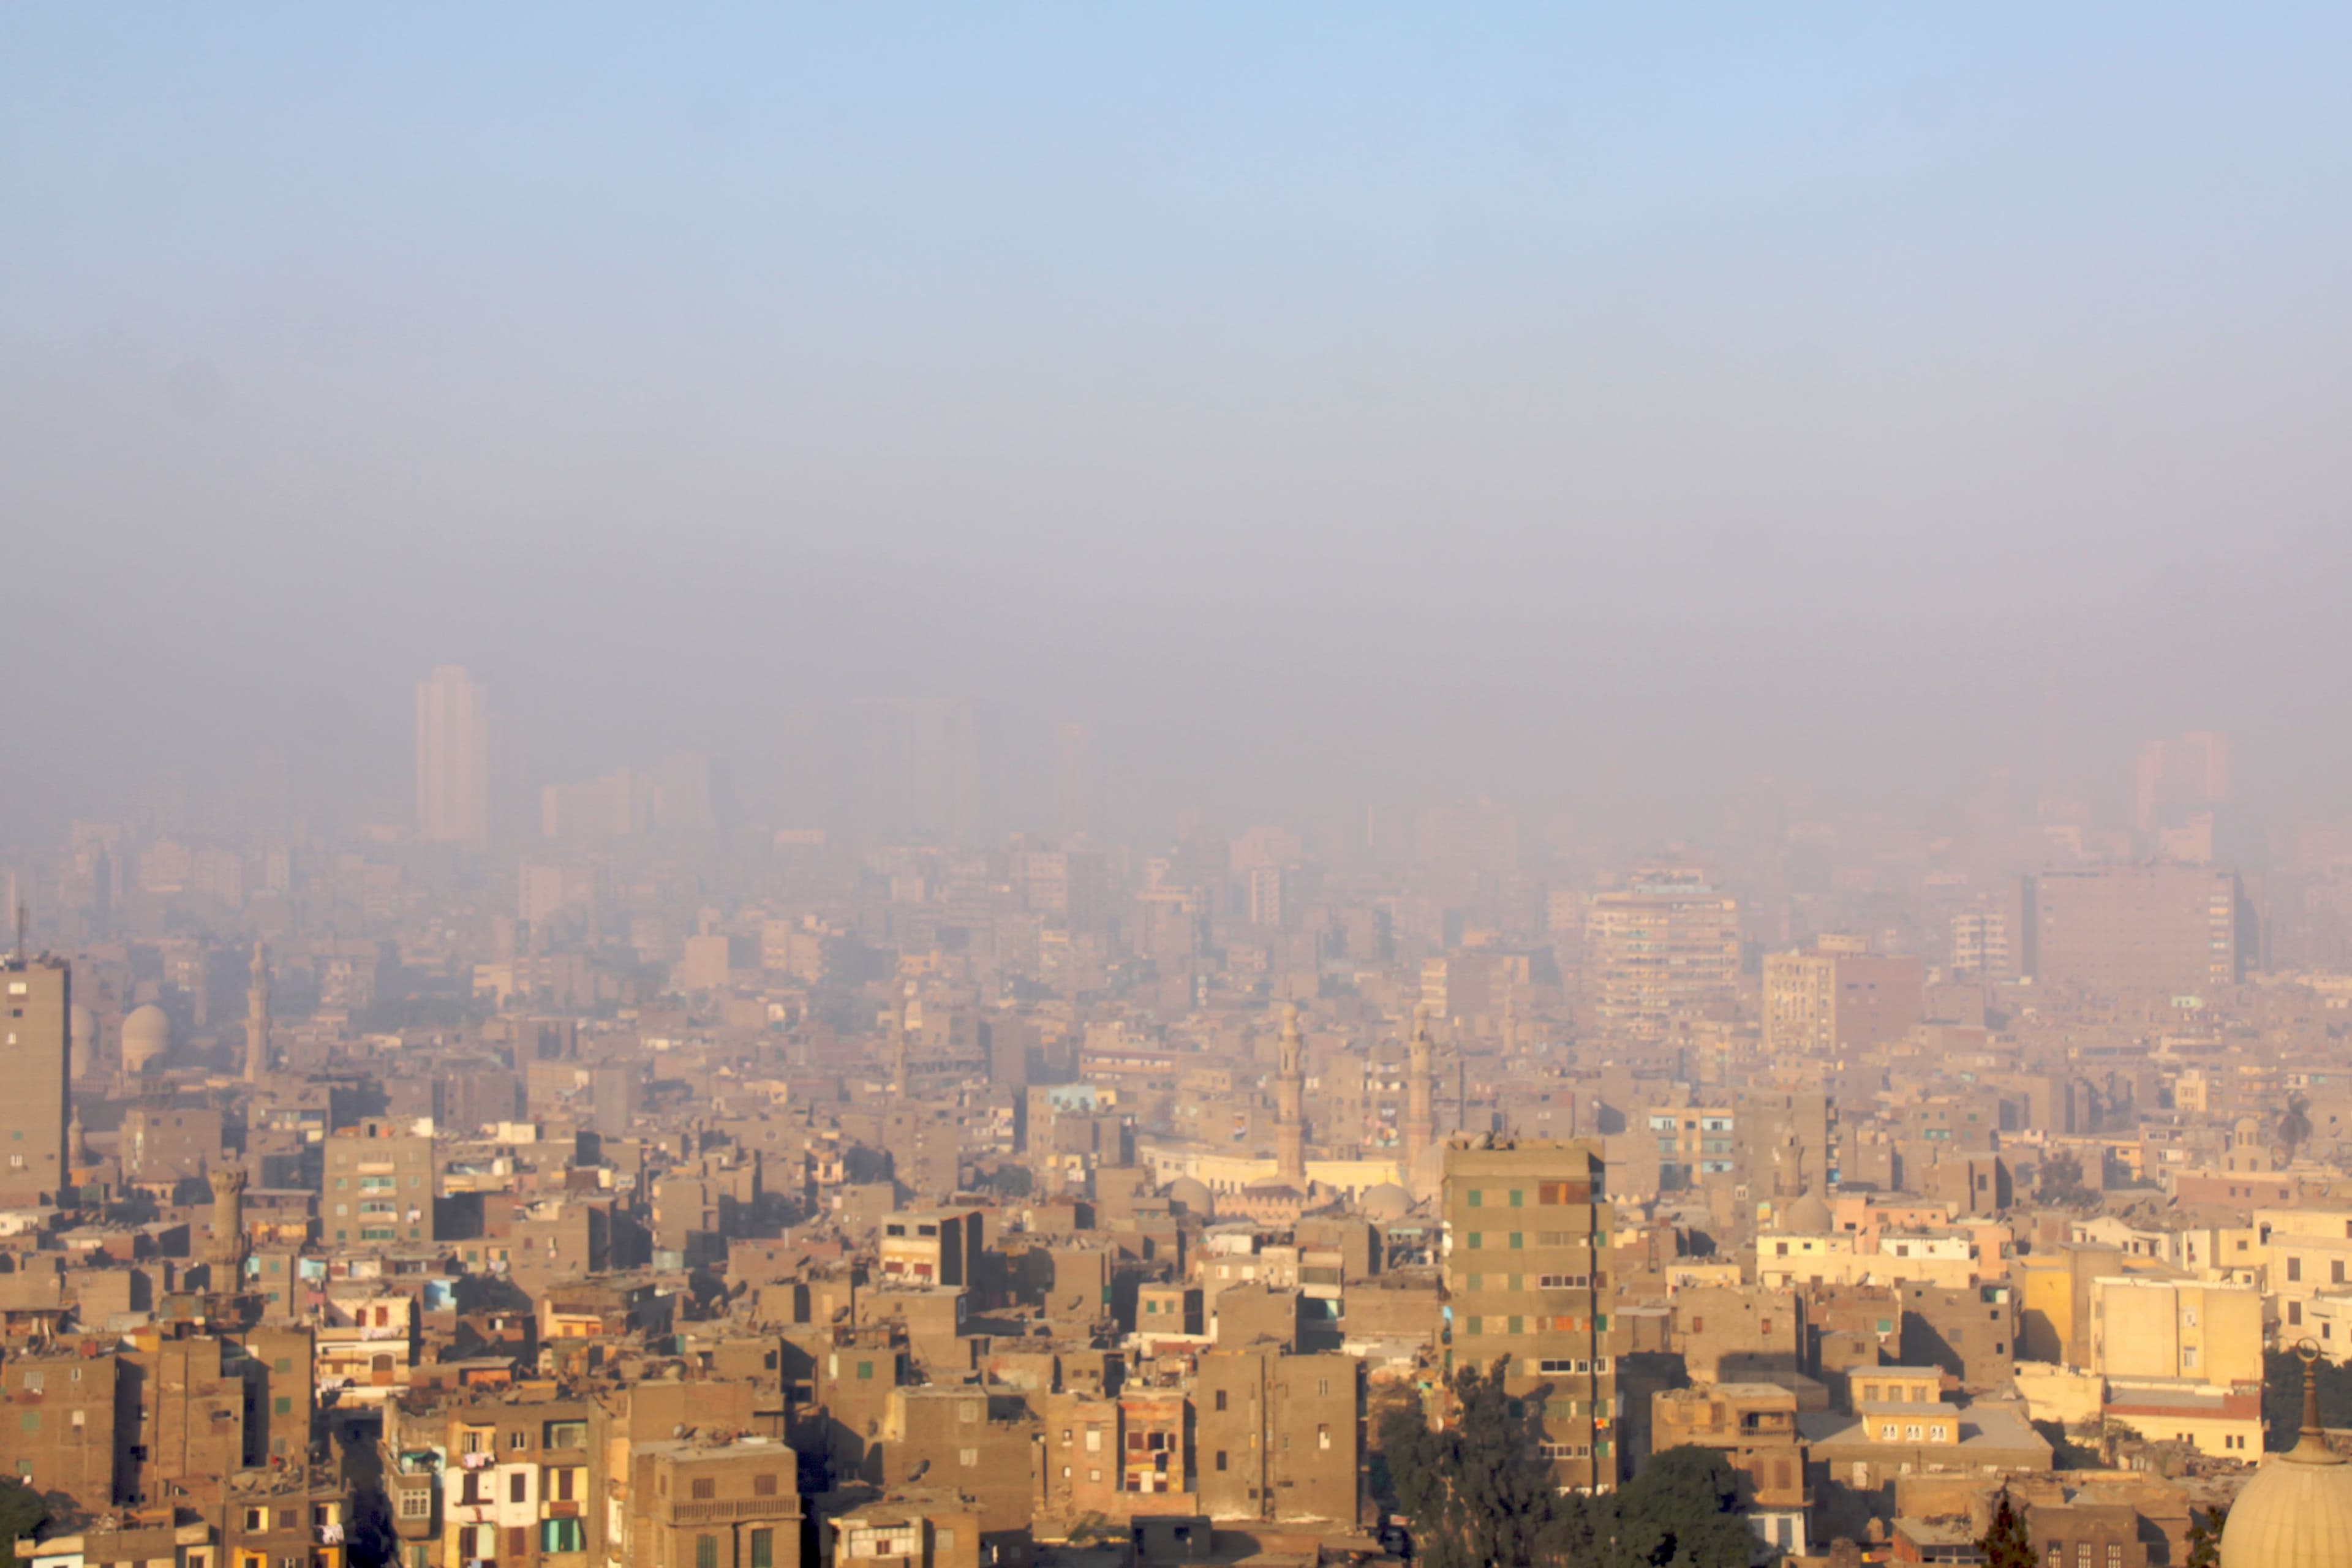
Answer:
(1633, 398)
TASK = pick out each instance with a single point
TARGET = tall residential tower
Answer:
(453, 759)
(34, 1047)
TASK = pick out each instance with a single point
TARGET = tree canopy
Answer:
(22, 1510)
(1479, 1497)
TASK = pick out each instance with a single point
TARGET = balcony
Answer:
(724, 1510)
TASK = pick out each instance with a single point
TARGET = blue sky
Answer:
(1241, 379)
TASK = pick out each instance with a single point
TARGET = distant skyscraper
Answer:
(453, 759)
(1077, 782)
(2190, 773)
(2108, 932)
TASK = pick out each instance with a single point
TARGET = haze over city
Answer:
(1553, 407)
(1045, 787)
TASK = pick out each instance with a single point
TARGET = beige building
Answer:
(1526, 1254)
(1838, 997)
(35, 1057)
(2118, 931)
(1663, 950)
(2143, 1326)
(2306, 1263)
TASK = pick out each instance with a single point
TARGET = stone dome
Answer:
(1385, 1201)
(146, 1038)
(82, 1032)
(1194, 1195)
(1805, 1215)
(2297, 1513)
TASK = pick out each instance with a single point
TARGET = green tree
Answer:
(2006, 1545)
(2205, 1538)
(2282, 1396)
(22, 1510)
(1476, 1493)
(1683, 1509)
(2295, 1124)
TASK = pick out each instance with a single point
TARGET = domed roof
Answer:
(146, 1038)
(2297, 1513)
(1806, 1215)
(1194, 1195)
(1385, 1201)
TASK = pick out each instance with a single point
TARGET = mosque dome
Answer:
(1194, 1195)
(1385, 1202)
(81, 1031)
(1805, 1215)
(146, 1038)
(2297, 1513)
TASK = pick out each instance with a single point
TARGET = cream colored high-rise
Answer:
(453, 759)
(1662, 950)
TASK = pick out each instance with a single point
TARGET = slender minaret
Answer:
(226, 1250)
(899, 1047)
(1290, 1094)
(257, 1017)
(1420, 1114)
(1510, 1025)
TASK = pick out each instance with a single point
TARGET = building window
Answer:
(764, 1484)
(1221, 1461)
(1221, 1399)
(763, 1548)
(706, 1551)
(563, 1535)
(703, 1489)
(519, 1488)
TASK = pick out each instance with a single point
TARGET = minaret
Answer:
(1290, 1093)
(226, 1249)
(257, 1017)
(899, 1047)
(1510, 1025)
(1420, 1115)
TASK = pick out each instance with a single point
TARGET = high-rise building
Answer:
(453, 759)
(2114, 930)
(1985, 942)
(1077, 783)
(1664, 949)
(1839, 996)
(1528, 1229)
(2190, 772)
(35, 1058)
(380, 1182)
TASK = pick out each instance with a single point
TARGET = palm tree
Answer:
(2294, 1126)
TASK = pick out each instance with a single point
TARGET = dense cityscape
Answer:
(667, 1188)
(1305, 786)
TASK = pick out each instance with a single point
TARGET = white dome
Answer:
(2297, 1513)
(146, 1038)
(1385, 1201)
